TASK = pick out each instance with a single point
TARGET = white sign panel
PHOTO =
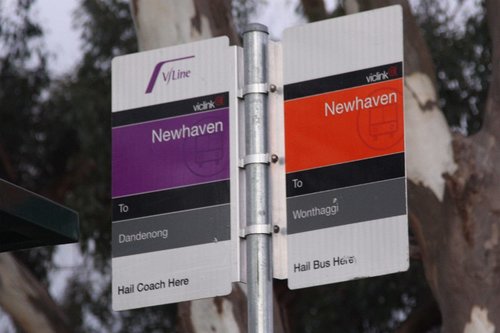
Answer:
(344, 148)
(174, 171)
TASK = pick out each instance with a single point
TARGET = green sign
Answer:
(29, 220)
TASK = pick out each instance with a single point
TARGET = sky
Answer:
(61, 37)
(62, 40)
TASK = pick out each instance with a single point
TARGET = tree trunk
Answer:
(27, 301)
(454, 182)
(314, 10)
(161, 23)
(454, 189)
(22, 296)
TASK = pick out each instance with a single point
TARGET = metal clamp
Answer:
(254, 229)
(254, 88)
(254, 159)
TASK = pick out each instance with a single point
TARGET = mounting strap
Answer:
(254, 159)
(254, 88)
(256, 229)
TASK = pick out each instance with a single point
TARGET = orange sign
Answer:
(344, 125)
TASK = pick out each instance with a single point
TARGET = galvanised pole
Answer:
(259, 264)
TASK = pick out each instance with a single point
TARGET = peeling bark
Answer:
(26, 301)
(227, 314)
(161, 23)
(456, 224)
(479, 322)
(218, 14)
(22, 296)
(472, 260)
(219, 314)
(453, 196)
(420, 146)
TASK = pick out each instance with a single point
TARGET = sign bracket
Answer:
(255, 229)
(255, 88)
(254, 159)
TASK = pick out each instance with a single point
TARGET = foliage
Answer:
(242, 10)
(462, 55)
(372, 305)
(55, 134)
(107, 31)
(24, 80)
(463, 62)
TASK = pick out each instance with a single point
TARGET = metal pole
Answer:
(259, 266)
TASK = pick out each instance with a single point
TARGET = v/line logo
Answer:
(170, 75)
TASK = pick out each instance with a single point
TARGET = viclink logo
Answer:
(203, 106)
(379, 76)
(213, 103)
(391, 72)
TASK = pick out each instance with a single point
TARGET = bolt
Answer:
(274, 158)
(276, 228)
(273, 88)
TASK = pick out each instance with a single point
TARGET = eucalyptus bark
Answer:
(22, 296)
(27, 301)
(457, 226)
(454, 181)
(457, 229)
(161, 23)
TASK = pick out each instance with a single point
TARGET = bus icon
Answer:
(209, 149)
(383, 121)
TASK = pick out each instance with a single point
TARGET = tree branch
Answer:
(314, 10)
(422, 318)
(492, 117)
(27, 301)
(8, 166)
(67, 181)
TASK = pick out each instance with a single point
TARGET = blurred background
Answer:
(55, 102)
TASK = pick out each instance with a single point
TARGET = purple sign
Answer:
(172, 152)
